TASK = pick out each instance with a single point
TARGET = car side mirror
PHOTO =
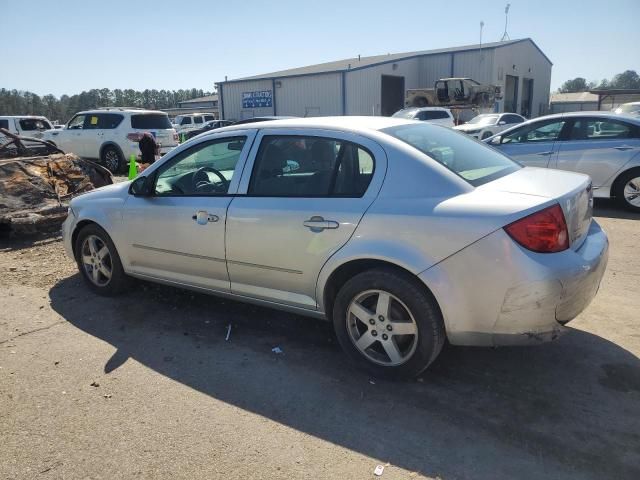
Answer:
(141, 187)
(497, 140)
(502, 122)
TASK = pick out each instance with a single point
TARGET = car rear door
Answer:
(302, 195)
(178, 233)
(533, 144)
(598, 147)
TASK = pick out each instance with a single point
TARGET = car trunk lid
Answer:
(571, 190)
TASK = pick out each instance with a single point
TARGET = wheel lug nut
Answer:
(381, 318)
(374, 333)
(372, 321)
(389, 327)
(384, 336)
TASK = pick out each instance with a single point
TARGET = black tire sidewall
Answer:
(119, 168)
(619, 189)
(420, 303)
(119, 279)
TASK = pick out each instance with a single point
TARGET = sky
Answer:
(67, 46)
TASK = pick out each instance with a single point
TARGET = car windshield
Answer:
(150, 121)
(406, 113)
(484, 120)
(473, 161)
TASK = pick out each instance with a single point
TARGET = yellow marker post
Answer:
(133, 170)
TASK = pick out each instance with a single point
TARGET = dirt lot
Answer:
(145, 386)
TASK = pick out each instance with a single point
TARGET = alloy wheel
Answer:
(96, 260)
(112, 160)
(382, 328)
(632, 192)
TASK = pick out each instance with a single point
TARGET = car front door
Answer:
(598, 147)
(178, 233)
(71, 139)
(305, 192)
(533, 144)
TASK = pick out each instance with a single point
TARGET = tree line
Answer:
(626, 79)
(17, 102)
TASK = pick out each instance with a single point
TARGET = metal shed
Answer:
(376, 85)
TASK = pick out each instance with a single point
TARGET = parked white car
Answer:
(487, 124)
(25, 125)
(191, 121)
(603, 145)
(111, 135)
(359, 220)
(631, 108)
(436, 115)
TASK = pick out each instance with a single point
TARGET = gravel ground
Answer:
(145, 386)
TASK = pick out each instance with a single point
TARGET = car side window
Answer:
(205, 169)
(76, 122)
(186, 121)
(91, 122)
(548, 131)
(197, 119)
(4, 124)
(109, 120)
(300, 166)
(599, 129)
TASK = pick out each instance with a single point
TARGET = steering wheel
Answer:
(202, 183)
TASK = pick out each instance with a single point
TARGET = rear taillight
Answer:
(135, 137)
(544, 231)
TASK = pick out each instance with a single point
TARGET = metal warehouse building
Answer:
(377, 85)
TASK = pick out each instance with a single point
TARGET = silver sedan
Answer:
(401, 233)
(603, 145)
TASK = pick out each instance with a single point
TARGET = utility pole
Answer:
(505, 35)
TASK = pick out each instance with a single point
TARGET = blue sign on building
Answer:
(259, 99)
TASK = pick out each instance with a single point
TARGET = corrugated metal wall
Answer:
(310, 96)
(363, 87)
(432, 68)
(232, 99)
(529, 63)
(477, 65)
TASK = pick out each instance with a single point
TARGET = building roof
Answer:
(574, 97)
(208, 98)
(355, 63)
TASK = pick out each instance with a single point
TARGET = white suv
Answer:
(437, 115)
(191, 121)
(111, 135)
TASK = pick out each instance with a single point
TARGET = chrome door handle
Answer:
(202, 218)
(317, 224)
(545, 153)
(624, 147)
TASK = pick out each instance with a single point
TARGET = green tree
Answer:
(578, 84)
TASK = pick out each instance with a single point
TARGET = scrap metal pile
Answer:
(35, 190)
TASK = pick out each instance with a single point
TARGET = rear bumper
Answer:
(495, 292)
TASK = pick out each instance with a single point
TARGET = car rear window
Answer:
(4, 124)
(432, 115)
(150, 121)
(474, 161)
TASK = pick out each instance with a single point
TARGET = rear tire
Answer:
(112, 159)
(627, 190)
(99, 263)
(370, 311)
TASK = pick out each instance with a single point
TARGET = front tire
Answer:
(98, 261)
(486, 135)
(388, 324)
(112, 159)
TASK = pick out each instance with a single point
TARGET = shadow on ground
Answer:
(570, 409)
(606, 207)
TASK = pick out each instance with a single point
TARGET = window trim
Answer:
(259, 150)
(209, 141)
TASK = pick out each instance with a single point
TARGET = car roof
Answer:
(119, 110)
(353, 124)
